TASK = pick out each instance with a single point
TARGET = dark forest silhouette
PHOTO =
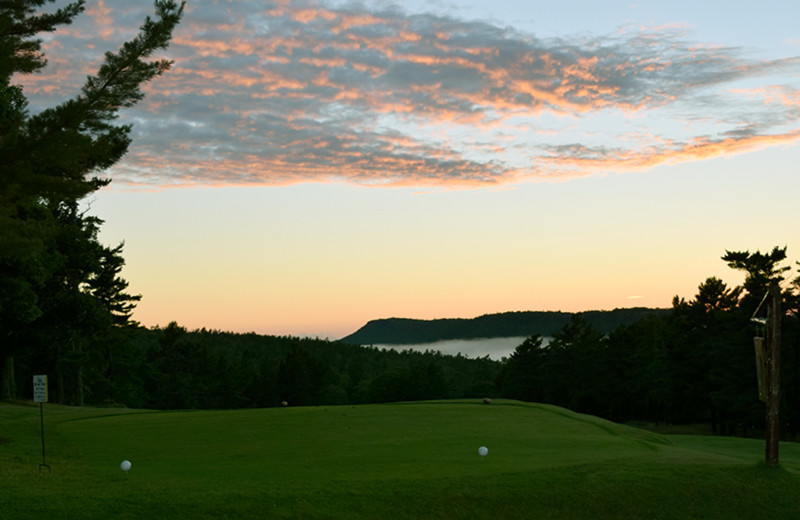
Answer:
(693, 363)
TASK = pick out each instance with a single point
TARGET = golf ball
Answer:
(125, 465)
(483, 451)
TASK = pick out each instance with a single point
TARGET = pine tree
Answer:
(761, 269)
(49, 253)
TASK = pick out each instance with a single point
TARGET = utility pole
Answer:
(773, 372)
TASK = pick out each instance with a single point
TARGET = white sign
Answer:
(39, 389)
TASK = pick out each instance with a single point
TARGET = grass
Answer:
(384, 461)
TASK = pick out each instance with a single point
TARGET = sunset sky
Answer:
(308, 166)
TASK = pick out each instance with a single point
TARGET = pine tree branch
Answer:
(117, 84)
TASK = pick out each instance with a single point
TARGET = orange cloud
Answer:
(348, 21)
(102, 18)
(579, 162)
(309, 15)
(304, 92)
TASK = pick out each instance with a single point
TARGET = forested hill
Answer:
(405, 331)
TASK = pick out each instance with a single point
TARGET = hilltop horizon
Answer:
(502, 324)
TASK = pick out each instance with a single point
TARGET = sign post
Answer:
(40, 396)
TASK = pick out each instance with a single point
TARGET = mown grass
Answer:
(385, 461)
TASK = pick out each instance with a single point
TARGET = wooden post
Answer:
(773, 373)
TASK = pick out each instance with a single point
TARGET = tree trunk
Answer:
(8, 387)
(77, 348)
(80, 385)
(60, 386)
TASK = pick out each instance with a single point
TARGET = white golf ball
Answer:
(483, 451)
(125, 465)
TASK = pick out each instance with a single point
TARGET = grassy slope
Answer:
(384, 461)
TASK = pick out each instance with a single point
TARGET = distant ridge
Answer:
(406, 331)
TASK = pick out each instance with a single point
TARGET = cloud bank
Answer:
(270, 93)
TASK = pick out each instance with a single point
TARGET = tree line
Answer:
(174, 368)
(694, 365)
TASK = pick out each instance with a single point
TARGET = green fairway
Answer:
(415, 460)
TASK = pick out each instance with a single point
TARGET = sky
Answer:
(307, 166)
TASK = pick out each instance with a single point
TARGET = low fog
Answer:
(495, 348)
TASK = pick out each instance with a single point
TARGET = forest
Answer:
(694, 363)
(65, 309)
(172, 368)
